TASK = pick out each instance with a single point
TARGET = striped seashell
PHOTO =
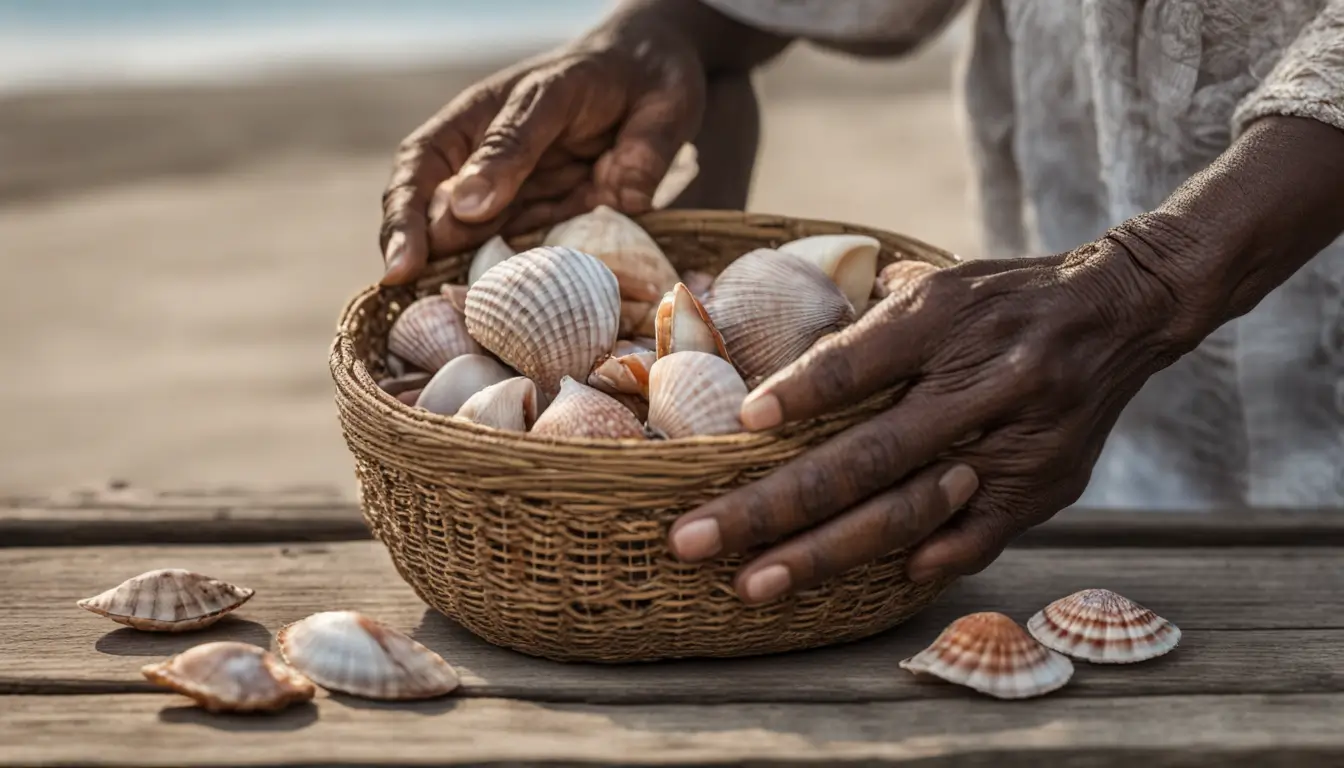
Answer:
(488, 255)
(992, 654)
(1099, 626)
(624, 375)
(640, 266)
(548, 312)
(694, 393)
(429, 333)
(348, 652)
(581, 411)
(771, 307)
(850, 261)
(683, 325)
(168, 600)
(457, 381)
(231, 677)
(509, 405)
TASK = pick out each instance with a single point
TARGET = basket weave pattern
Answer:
(557, 548)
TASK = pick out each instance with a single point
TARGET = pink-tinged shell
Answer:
(231, 677)
(352, 653)
(992, 654)
(547, 312)
(509, 405)
(487, 256)
(771, 307)
(456, 295)
(640, 266)
(683, 325)
(457, 381)
(694, 393)
(625, 375)
(581, 411)
(697, 282)
(1099, 626)
(849, 260)
(429, 333)
(168, 600)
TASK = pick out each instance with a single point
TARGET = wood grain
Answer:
(1256, 620)
(1168, 731)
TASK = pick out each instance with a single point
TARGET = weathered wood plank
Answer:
(1256, 620)
(1169, 731)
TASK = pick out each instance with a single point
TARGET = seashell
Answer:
(456, 295)
(429, 333)
(849, 260)
(683, 325)
(636, 404)
(231, 677)
(635, 316)
(641, 268)
(681, 172)
(510, 405)
(548, 312)
(397, 367)
(349, 652)
(168, 600)
(694, 393)
(625, 375)
(488, 255)
(457, 381)
(631, 346)
(395, 385)
(647, 342)
(697, 282)
(410, 397)
(992, 654)
(771, 307)
(581, 411)
(1099, 626)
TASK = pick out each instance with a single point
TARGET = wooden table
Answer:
(1258, 679)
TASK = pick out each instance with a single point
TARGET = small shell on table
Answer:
(488, 255)
(352, 653)
(509, 405)
(683, 325)
(168, 600)
(231, 677)
(624, 375)
(581, 411)
(992, 654)
(694, 393)
(1099, 626)
(457, 381)
(640, 266)
(548, 312)
(771, 307)
(850, 261)
(429, 333)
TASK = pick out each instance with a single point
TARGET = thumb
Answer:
(628, 174)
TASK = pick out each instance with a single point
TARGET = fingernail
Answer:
(766, 584)
(959, 485)
(395, 254)
(697, 540)
(761, 411)
(472, 196)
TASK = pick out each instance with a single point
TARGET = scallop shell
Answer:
(683, 325)
(698, 282)
(641, 268)
(457, 381)
(509, 405)
(488, 255)
(456, 295)
(992, 654)
(231, 677)
(1099, 626)
(429, 333)
(694, 393)
(548, 312)
(581, 411)
(771, 307)
(168, 600)
(352, 653)
(849, 260)
(624, 375)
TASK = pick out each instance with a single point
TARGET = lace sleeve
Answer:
(845, 21)
(1309, 80)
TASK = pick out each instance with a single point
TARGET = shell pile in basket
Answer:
(595, 335)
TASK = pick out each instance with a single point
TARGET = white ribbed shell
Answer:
(230, 676)
(992, 654)
(168, 600)
(1099, 626)
(509, 405)
(457, 381)
(346, 651)
(548, 312)
(581, 411)
(849, 260)
(695, 393)
(429, 333)
(640, 266)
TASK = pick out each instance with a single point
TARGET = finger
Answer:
(895, 519)
(404, 236)
(966, 545)
(659, 123)
(448, 234)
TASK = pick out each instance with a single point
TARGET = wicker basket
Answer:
(557, 549)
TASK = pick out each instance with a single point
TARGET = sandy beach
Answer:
(177, 256)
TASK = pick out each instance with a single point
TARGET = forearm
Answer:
(725, 46)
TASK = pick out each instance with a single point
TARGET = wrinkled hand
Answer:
(597, 122)
(1017, 371)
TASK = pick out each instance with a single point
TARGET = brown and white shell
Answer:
(991, 653)
(352, 653)
(429, 333)
(582, 411)
(771, 307)
(694, 393)
(683, 325)
(231, 677)
(640, 266)
(509, 405)
(457, 381)
(1099, 626)
(488, 255)
(549, 312)
(849, 260)
(624, 375)
(168, 600)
